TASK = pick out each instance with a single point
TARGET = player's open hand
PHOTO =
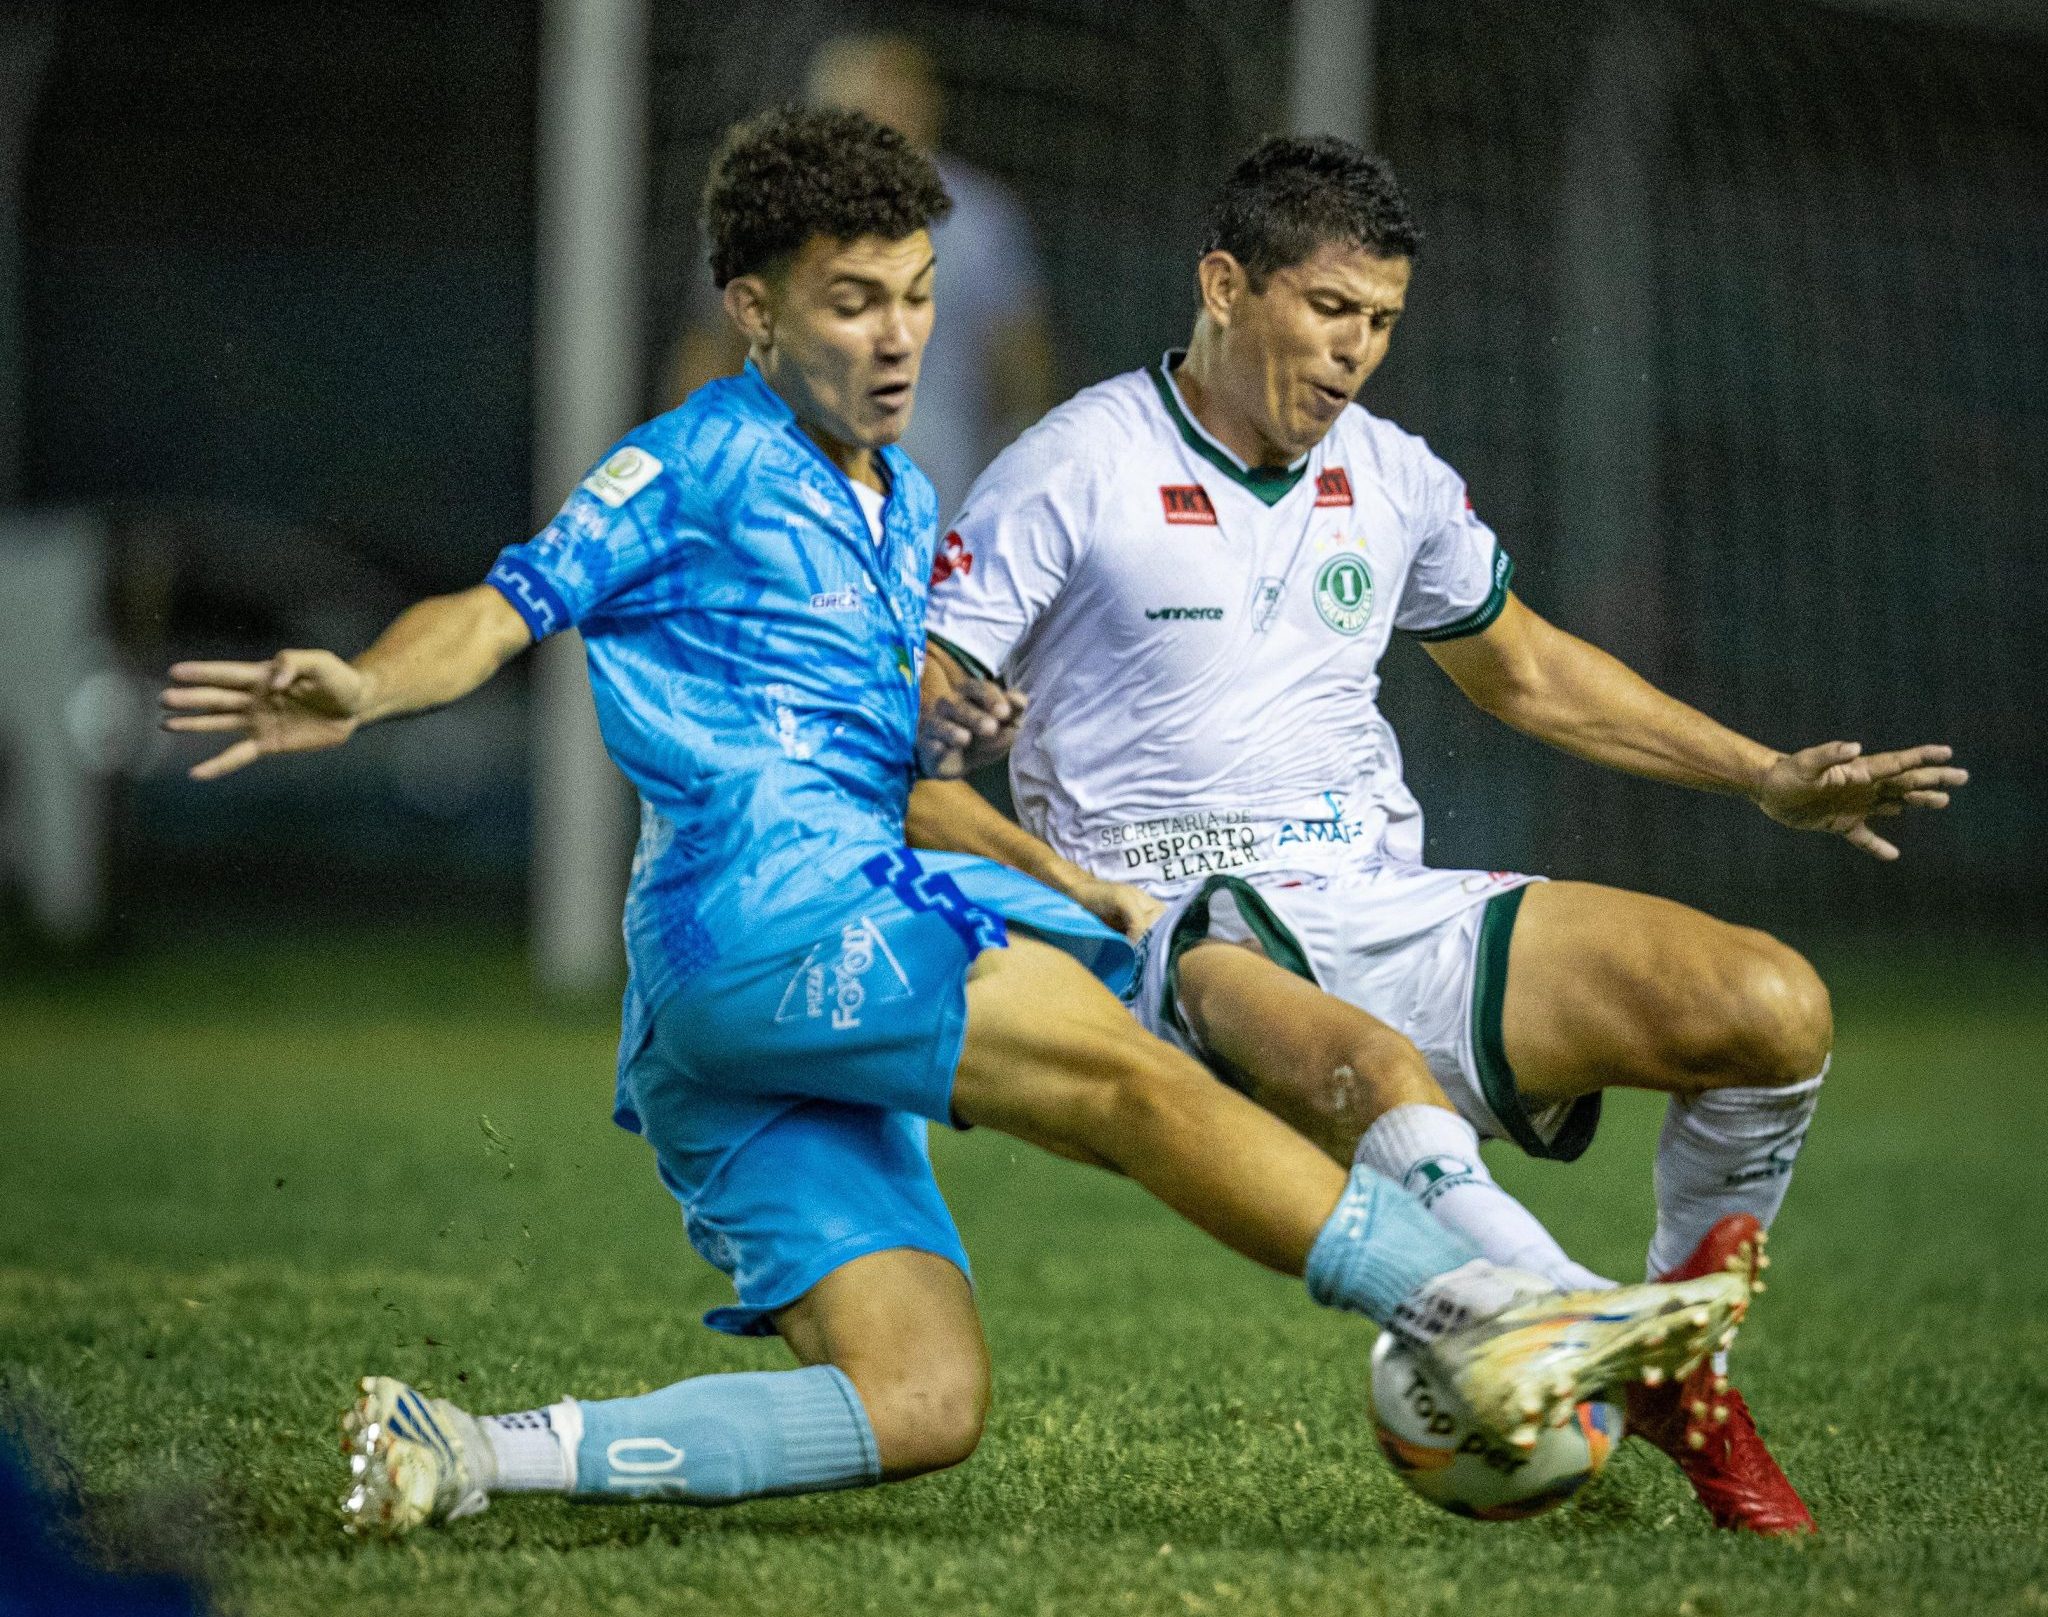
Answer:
(972, 725)
(298, 701)
(1835, 787)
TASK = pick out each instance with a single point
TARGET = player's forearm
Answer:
(951, 816)
(438, 651)
(1588, 703)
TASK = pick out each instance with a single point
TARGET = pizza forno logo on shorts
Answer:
(843, 973)
(1344, 593)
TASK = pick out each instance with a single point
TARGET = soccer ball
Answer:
(1435, 1446)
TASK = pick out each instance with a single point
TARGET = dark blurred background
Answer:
(1734, 315)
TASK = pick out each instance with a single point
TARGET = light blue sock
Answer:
(715, 1439)
(1379, 1246)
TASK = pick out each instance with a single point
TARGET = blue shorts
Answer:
(786, 1090)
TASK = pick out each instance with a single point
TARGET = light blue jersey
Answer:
(754, 656)
(796, 1006)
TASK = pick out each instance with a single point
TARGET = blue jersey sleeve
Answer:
(624, 524)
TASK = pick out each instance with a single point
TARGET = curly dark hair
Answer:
(1292, 193)
(794, 172)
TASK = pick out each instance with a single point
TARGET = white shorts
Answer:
(1425, 951)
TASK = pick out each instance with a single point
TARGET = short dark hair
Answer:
(1292, 193)
(792, 172)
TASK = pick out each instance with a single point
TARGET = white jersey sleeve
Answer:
(1458, 582)
(1016, 542)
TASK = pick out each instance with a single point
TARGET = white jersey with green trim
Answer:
(1201, 640)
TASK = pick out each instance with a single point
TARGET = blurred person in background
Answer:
(988, 370)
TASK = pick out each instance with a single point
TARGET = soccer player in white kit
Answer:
(1193, 570)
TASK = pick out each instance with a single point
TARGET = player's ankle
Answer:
(526, 1453)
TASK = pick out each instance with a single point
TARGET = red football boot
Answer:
(1704, 1425)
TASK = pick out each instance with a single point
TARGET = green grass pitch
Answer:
(230, 1185)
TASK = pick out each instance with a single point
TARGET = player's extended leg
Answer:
(1610, 987)
(894, 1383)
(1362, 1092)
(1053, 1058)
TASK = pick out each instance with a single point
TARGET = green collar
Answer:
(1271, 484)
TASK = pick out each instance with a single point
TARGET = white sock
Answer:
(530, 1454)
(1725, 1151)
(1433, 1154)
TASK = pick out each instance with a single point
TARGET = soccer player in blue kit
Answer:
(748, 573)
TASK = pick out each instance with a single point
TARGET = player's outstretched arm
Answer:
(948, 814)
(301, 701)
(1552, 685)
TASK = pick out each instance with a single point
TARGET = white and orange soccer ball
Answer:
(1435, 1446)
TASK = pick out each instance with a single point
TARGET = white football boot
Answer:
(1523, 1356)
(412, 1460)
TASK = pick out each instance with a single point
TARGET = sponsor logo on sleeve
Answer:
(1187, 505)
(953, 557)
(582, 521)
(1333, 487)
(622, 477)
(846, 600)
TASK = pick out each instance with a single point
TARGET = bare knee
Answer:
(1765, 1020)
(926, 1416)
(1793, 1013)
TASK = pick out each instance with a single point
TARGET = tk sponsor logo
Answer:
(1187, 504)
